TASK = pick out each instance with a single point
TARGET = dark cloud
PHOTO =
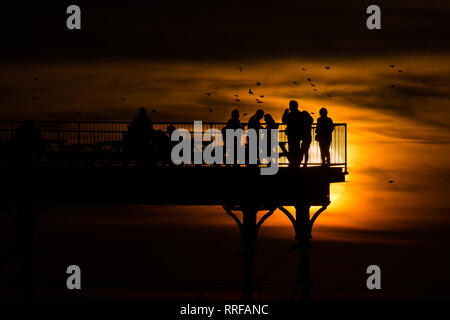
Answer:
(225, 30)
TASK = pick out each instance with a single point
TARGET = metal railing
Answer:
(102, 142)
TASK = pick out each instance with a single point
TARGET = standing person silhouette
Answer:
(270, 124)
(306, 136)
(233, 123)
(293, 119)
(141, 131)
(324, 132)
(254, 123)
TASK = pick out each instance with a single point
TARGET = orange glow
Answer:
(391, 136)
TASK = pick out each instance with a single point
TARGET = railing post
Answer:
(345, 143)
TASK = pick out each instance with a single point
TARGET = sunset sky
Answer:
(167, 56)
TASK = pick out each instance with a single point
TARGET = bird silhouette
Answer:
(392, 65)
(261, 96)
(391, 181)
(237, 100)
(36, 79)
(315, 90)
(122, 98)
(303, 69)
(393, 86)
(258, 84)
(295, 82)
(208, 94)
(210, 110)
(154, 110)
(240, 69)
(236, 95)
(250, 91)
(308, 79)
(313, 85)
(244, 114)
(327, 67)
(399, 70)
(258, 101)
(329, 95)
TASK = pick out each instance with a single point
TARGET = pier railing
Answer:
(102, 142)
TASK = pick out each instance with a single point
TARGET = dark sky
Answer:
(224, 30)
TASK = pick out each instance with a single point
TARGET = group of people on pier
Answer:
(298, 131)
(147, 145)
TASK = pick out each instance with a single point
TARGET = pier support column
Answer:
(303, 239)
(249, 235)
(25, 226)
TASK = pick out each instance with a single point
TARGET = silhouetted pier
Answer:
(85, 162)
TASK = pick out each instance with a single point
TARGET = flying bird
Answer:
(303, 69)
(258, 84)
(308, 79)
(122, 98)
(295, 82)
(329, 95)
(261, 96)
(208, 94)
(393, 86)
(327, 67)
(313, 85)
(391, 181)
(392, 65)
(399, 70)
(315, 90)
(250, 91)
(36, 79)
(154, 110)
(244, 114)
(236, 95)
(258, 101)
(237, 100)
(210, 110)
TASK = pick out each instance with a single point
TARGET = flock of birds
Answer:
(258, 98)
(314, 86)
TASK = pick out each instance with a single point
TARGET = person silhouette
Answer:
(324, 132)
(255, 124)
(28, 143)
(254, 121)
(143, 125)
(293, 119)
(233, 123)
(306, 137)
(141, 133)
(270, 124)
